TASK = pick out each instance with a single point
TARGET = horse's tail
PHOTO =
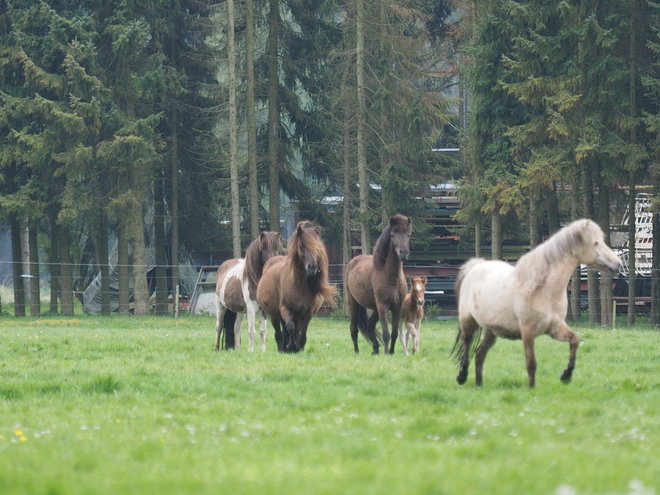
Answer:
(229, 340)
(367, 326)
(456, 353)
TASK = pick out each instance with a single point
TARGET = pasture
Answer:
(125, 406)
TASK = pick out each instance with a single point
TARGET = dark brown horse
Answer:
(293, 287)
(377, 282)
(236, 290)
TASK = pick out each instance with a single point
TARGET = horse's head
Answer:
(594, 251)
(417, 289)
(307, 248)
(400, 232)
(270, 245)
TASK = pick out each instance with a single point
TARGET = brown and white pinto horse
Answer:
(377, 282)
(236, 289)
(525, 300)
(413, 312)
(293, 287)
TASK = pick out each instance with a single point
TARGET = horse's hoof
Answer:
(566, 378)
(461, 378)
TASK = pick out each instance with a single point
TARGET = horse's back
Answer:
(488, 295)
(229, 285)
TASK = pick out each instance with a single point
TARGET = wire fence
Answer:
(86, 284)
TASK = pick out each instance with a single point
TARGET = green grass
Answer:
(118, 405)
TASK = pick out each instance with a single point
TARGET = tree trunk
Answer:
(478, 232)
(53, 265)
(606, 291)
(174, 229)
(496, 236)
(233, 136)
(593, 293)
(552, 206)
(140, 287)
(35, 280)
(273, 118)
(17, 265)
(104, 263)
(161, 308)
(534, 224)
(66, 271)
(123, 268)
(576, 278)
(253, 172)
(361, 128)
(347, 252)
(25, 256)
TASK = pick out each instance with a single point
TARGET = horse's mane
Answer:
(398, 223)
(306, 237)
(258, 252)
(531, 269)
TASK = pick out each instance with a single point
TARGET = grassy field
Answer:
(93, 405)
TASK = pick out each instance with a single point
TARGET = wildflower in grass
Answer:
(20, 435)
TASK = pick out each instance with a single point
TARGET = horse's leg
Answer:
(220, 315)
(290, 335)
(278, 333)
(530, 359)
(237, 329)
(251, 316)
(396, 322)
(372, 333)
(565, 334)
(466, 329)
(302, 334)
(353, 309)
(405, 336)
(262, 330)
(480, 356)
(382, 316)
(417, 327)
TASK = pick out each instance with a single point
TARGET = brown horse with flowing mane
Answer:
(377, 282)
(293, 287)
(236, 291)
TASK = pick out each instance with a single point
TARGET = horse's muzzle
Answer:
(612, 267)
(312, 270)
(420, 302)
(403, 255)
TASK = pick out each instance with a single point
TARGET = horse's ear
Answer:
(262, 236)
(424, 280)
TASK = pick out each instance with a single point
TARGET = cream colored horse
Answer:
(528, 299)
